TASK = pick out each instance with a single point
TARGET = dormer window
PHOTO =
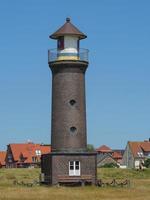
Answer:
(38, 152)
(140, 154)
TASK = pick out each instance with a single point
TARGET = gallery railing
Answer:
(55, 55)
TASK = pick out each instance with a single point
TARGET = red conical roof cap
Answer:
(68, 29)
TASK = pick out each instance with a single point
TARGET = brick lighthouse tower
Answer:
(69, 162)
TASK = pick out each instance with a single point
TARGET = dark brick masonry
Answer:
(68, 133)
(68, 121)
(56, 168)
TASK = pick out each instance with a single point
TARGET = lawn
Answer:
(138, 190)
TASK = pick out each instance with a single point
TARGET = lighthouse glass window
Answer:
(74, 168)
(60, 43)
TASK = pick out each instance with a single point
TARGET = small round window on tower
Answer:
(72, 102)
(73, 129)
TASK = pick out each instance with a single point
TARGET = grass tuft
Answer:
(139, 190)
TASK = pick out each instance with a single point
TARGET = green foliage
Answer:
(8, 176)
(147, 163)
(117, 173)
(90, 148)
(110, 165)
(139, 189)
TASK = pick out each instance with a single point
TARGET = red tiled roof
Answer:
(104, 149)
(45, 149)
(2, 157)
(139, 147)
(145, 146)
(117, 155)
(135, 147)
(28, 151)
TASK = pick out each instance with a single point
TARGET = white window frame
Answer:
(38, 152)
(74, 168)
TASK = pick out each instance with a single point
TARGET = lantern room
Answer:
(68, 44)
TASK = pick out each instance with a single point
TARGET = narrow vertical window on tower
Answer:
(78, 43)
(74, 168)
(60, 43)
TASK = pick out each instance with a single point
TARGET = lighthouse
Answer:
(69, 162)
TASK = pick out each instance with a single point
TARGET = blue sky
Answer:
(117, 80)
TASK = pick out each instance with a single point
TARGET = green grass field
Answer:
(138, 190)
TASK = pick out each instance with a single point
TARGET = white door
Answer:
(74, 168)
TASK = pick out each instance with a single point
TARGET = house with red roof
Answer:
(106, 155)
(2, 159)
(104, 149)
(136, 153)
(117, 156)
(25, 154)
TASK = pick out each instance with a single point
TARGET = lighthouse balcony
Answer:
(56, 55)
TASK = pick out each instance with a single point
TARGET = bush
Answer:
(110, 165)
(147, 163)
(90, 148)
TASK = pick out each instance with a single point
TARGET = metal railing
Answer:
(55, 55)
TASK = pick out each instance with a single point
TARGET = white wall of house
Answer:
(128, 158)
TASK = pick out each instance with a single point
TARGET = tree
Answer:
(90, 148)
(147, 163)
